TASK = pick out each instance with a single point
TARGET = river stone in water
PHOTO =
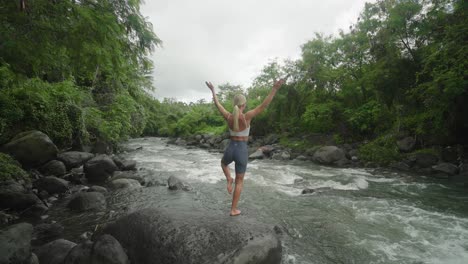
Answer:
(424, 160)
(175, 183)
(53, 168)
(80, 254)
(99, 168)
(107, 249)
(15, 243)
(258, 154)
(54, 252)
(124, 183)
(87, 201)
(445, 167)
(31, 148)
(17, 200)
(328, 155)
(175, 236)
(73, 159)
(52, 184)
(127, 175)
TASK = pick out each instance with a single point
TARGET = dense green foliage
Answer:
(400, 70)
(76, 70)
(10, 169)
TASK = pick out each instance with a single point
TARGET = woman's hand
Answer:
(278, 84)
(210, 86)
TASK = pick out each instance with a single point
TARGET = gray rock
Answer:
(52, 184)
(33, 259)
(15, 243)
(283, 155)
(128, 165)
(128, 175)
(174, 183)
(401, 166)
(17, 200)
(301, 157)
(267, 150)
(189, 236)
(44, 233)
(118, 161)
(312, 150)
(31, 148)
(73, 159)
(53, 168)
(445, 167)
(102, 147)
(180, 142)
(87, 201)
(271, 139)
(257, 154)
(107, 250)
(328, 155)
(406, 144)
(12, 186)
(96, 188)
(342, 162)
(124, 183)
(80, 254)
(424, 160)
(54, 252)
(316, 190)
(450, 154)
(99, 168)
(353, 153)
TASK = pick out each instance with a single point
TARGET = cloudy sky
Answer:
(230, 41)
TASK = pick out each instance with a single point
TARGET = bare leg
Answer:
(237, 193)
(227, 173)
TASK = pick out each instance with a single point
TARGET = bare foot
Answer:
(235, 212)
(229, 185)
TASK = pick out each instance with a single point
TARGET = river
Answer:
(356, 215)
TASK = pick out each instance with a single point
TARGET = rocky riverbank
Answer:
(449, 163)
(84, 181)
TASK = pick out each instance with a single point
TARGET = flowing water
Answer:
(355, 216)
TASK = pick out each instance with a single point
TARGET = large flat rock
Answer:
(188, 236)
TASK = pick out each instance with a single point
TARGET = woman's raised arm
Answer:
(216, 101)
(259, 109)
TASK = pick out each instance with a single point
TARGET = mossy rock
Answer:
(10, 169)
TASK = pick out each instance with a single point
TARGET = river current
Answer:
(354, 216)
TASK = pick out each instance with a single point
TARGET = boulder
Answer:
(267, 150)
(53, 168)
(15, 243)
(107, 250)
(73, 159)
(406, 144)
(31, 148)
(80, 254)
(342, 162)
(282, 155)
(301, 157)
(17, 200)
(271, 139)
(185, 235)
(128, 165)
(124, 183)
(180, 142)
(424, 160)
(54, 252)
(445, 167)
(87, 201)
(99, 168)
(328, 155)
(128, 175)
(258, 154)
(96, 188)
(12, 186)
(52, 184)
(174, 183)
(401, 166)
(44, 233)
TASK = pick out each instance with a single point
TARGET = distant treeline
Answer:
(78, 70)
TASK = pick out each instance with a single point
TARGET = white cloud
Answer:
(230, 41)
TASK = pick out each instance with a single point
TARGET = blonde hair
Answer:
(239, 100)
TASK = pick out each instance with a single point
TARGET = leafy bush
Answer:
(10, 169)
(382, 150)
(367, 117)
(321, 117)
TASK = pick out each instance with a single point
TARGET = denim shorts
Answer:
(237, 151)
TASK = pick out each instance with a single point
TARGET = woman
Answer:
(239, 128)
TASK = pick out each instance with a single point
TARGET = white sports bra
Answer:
(243, 133)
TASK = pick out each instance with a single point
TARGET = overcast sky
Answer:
(230, 41)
